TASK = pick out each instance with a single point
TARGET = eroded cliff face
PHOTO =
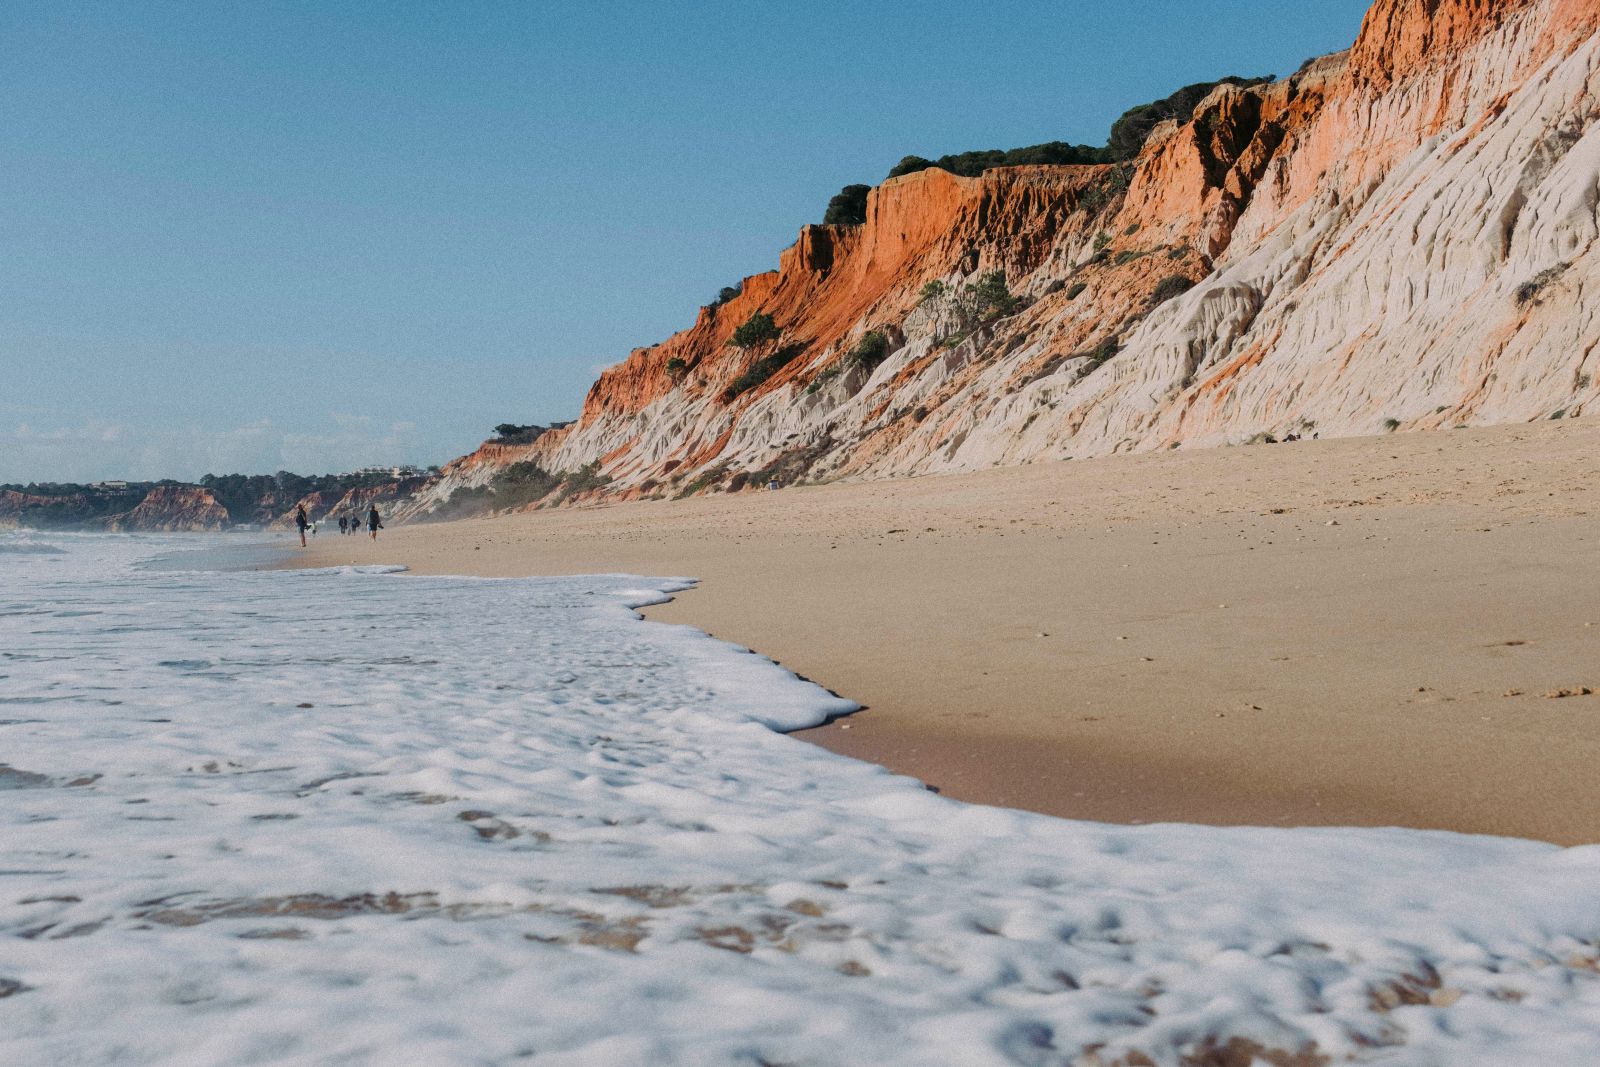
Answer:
(1400, 236)
(172, 509)
(156, 508)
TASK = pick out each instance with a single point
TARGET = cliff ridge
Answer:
(1401, 236)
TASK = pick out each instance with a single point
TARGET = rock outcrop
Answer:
(163, 507)
(173, 509)
(1400, 236)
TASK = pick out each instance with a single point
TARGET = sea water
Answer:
(355, 817)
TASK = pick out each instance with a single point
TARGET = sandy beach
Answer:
(1400, 630)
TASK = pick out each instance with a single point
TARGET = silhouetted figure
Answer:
(344, 525)
(301, 522)
(374, 523)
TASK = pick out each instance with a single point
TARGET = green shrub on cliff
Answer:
(1172, 285)
(1132, 130)
(848, 207)
(870, 351)
(758, 331)
(583, 480)
(972, 304)
(761, 370)
(510, 433)
(991, 297)
(522, 483)
(972, 164)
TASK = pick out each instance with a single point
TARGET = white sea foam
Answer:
(347, 818)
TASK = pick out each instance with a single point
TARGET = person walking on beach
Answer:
(374, 523)
(344, 525)
(355, 524)
(301, 522)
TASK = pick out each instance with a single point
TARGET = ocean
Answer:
(356, 817)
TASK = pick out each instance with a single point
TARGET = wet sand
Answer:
(1356, 632)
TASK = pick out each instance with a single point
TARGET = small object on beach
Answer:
(1122, 637)
(844, 726)
(1043, 634)
(305, 705)
(1148, 659)
(1576, 691)
(1331, 522)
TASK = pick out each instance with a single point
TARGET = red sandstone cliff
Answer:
(1402, 235)
(173, 508)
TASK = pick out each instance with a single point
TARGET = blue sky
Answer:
(315, 236)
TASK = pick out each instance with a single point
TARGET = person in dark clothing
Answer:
(301, 522)
(344, 525)
(355, 524)
(374, 523)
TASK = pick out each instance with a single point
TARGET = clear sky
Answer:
(314, 236)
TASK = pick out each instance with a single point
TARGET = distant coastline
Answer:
(213, 504)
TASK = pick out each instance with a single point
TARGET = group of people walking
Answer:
(348, 524)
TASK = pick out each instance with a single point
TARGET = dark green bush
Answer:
(1132, 130)
(910, 165)
(990, 296)
(756, 332)
(1529, 290)
(823, 377)
(676, 369)
(976, 302)
(585, 479)
(972, 164)
(522, 483)
(761, 370)
(704, 480)
(1170, 286)
(870, 351)
(1101, 353)
(509, 433)
(848, 207)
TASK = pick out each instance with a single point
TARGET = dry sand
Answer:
(1354, 632)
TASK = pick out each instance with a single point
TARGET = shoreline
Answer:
(1346, 632)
